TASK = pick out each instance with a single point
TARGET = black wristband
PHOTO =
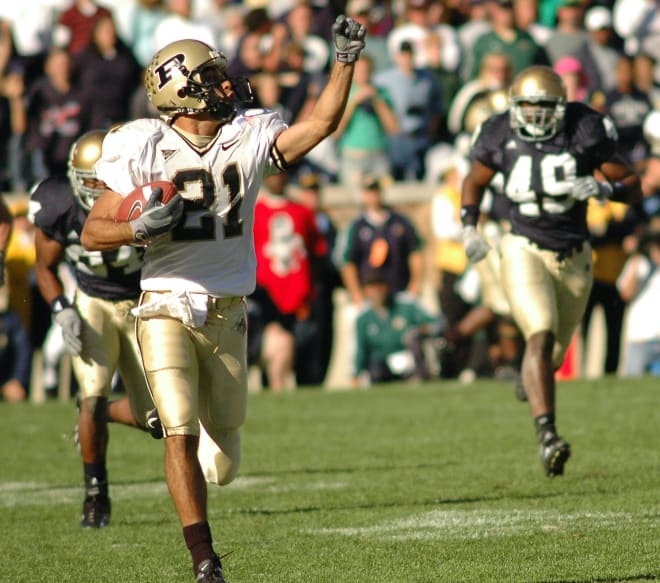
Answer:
(58, 304)
(469, 214)
(619, 191)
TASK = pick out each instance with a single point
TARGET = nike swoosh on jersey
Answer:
(167, 154)
(228, 145)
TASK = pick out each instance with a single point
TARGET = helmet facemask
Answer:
(536, 119)
(216, 92)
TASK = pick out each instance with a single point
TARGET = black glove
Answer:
(348, 37)
(157, 218)
(2, 268)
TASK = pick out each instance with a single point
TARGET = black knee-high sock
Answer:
(199, 542)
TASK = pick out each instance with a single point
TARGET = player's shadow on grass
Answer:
(389, 504)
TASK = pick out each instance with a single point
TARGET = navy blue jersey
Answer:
(395, 240)
(539, 176)
(111, 275)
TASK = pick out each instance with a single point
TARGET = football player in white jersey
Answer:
(199, 262)
(548, 151)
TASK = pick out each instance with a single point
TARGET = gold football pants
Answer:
(546, 294)
(198, 379)
(109, 345)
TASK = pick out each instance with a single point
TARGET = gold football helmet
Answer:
(483, 106)
(189, 76)
(537, 103)
(82, 175)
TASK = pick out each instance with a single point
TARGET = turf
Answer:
(408, 484)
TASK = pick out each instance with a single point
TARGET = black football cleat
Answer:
(96, 507)
(154, 426)
(554, 452)
(210, 571)
(520, 389)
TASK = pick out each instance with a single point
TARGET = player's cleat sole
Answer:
(154, 426)
(210, 571)
(96, 512)
(554, 452)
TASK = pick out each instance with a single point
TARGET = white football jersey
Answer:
(211, 250)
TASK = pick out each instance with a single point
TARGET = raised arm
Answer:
(297, 140)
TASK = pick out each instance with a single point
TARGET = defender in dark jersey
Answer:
(548, 151)
(98, 329)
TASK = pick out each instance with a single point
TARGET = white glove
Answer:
(588, 187)
(348, 37)
(71, 325)
(157, 218)
(476, 247)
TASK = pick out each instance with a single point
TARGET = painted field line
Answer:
(477, 524)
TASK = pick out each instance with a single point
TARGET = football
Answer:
(133, 205)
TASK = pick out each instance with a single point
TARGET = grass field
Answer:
(400, 484)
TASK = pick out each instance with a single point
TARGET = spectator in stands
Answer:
(261, 47)
(477, 23)
(574, 77)
(598, 55)
(75, 26)
(506, 37)
(147, 15)
(609, 225)
(14, 123)
(29, 25)
(365, 13)
(57, 113)
(313, 358)
(638, 23)
(381, 237)
(449, 256)
(390, 335)
(364, 130)
(6, 224)
(299, 22)
(107, 72)
(628, 106)
(639, 285)
(417, 102)
(643, 65)
(421, 18)
(179, 24)
(526, 15)
(15, 353)
(289, 249)
(568, 35)
(226, 18)
(299, 87)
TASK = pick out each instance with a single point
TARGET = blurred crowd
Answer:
(432, 70)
